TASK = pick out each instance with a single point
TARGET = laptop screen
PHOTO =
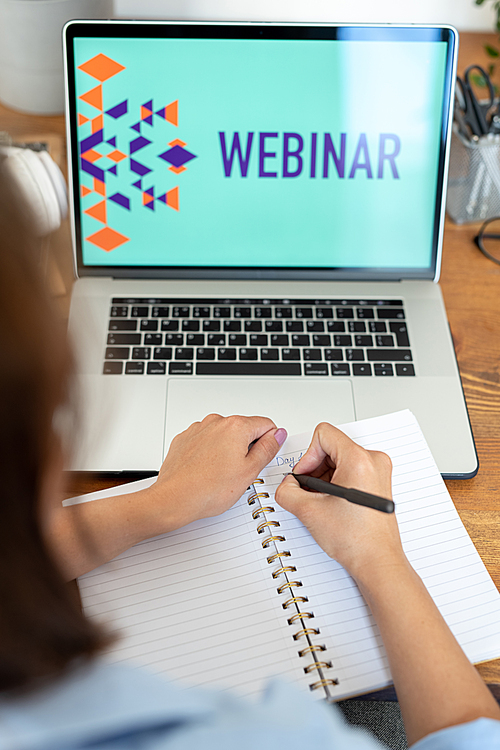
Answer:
(250, 149)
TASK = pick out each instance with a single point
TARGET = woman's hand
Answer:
(356, 536)
(211, 464)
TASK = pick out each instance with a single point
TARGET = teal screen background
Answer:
(351, 87)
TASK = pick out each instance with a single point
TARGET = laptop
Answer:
(257, 216)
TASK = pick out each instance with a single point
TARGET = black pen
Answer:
(354, 496)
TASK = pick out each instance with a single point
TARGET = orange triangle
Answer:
(82, 120)
(93, 97)
(85, 191)
(97, 211)
(172, 113)
(97, 123)
(145, 113)
(173, 198)
(99, 186)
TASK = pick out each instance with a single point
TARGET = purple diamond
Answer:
(177, 156)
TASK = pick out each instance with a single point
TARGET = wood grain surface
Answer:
(471, 288)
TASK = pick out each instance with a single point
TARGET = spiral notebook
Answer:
(235, 600)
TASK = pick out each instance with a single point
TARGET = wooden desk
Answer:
(471, 287)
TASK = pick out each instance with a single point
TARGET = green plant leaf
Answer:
(479, 2)
(478, 80)
(491, 70)
(491, 51)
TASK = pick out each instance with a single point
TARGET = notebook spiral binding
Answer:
(318, 665)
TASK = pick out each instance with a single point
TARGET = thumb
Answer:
(290, 494)
(266, 447)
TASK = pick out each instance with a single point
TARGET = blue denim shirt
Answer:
(114, 707)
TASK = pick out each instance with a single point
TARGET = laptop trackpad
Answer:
(296, 404)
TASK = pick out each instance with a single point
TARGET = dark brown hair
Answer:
(42, 628)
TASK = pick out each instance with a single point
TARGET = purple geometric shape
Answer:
(150, 205)
(177, 156)
(161, 112)
(122, 200)
(113, 169)
(135, 166)
(148, 105)
(91, 169)
(91, 141)
(162, 198)
(149, 120)
(137, 127)
(118, 110)
(112, 141)
(137, 184)
(138, 143)
(150, 191)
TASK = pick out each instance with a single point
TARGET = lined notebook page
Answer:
(434, 539)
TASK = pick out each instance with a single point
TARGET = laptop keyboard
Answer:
(337, 337)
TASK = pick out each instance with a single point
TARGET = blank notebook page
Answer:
(201, 605)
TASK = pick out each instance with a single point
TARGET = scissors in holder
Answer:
(473, 112)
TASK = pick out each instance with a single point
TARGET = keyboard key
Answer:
(283, 312)
(190, 325)
(201, 312)
(401, 332)
(119, 312)
(262, 312)
(160, 312)
(315, 326)
(389, 355)
(355, 354)
(181, 311)
(390, 312)
(232, 325)
(342, 340)
(237, 339)
(205, 354)
(169, 325)
(141, 352)
(340, 369)
(153, 339)
(384, 341)
(123, 325)
(336, 326)
(117, 339)
(248, 368)
(180, 368)
(316, 368)
(211, 325)
(226, 353)
(117, 352)
(266, 354)
(184, 353)
(310, 354)
(280, 339)
(320, 340)
(324, 312)
(134, 368)
(140, 312)
(242, 312)
(258, 339)
(148, 325)
(174, 339)
(222, 312)
(162, 352)
(303, 312)
(248, 353)
(376, 327)
(216, 339)
(288, 354)
(362, 369)
(156, 368)
(344, 312)
(195, 339)
(337, 354)
(112, 368)
(356, 326)
(363, 341)
(405, 370)
(253, 325)
(363, 313)
(299, 340)
(273, 326)
(294, 326)
(385, 369)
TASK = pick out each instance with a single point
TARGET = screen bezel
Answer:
(254, 31)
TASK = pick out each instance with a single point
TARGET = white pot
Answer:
(31, 64)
